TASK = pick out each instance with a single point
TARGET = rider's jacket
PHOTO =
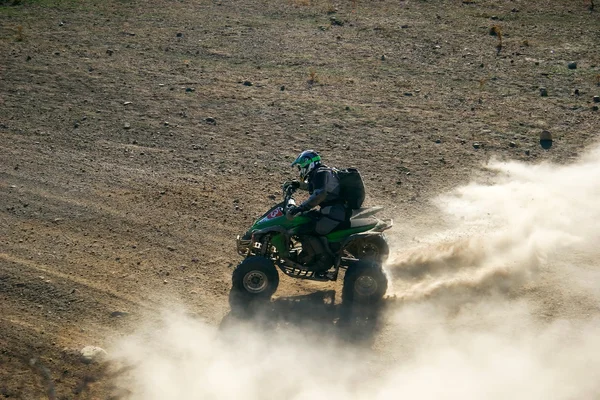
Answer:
(324, 188)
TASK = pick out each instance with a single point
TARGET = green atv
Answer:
(359, 246)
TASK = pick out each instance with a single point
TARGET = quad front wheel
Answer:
(256, 277)
(365, 282)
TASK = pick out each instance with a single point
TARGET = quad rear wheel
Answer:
(255, 277)
(365, 282)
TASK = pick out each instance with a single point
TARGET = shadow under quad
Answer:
(315, 313)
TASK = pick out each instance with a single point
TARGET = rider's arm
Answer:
(322, 184)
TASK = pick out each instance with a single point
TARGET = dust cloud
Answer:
(503, 302)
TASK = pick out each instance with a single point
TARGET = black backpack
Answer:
(352, 188)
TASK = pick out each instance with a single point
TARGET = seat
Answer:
(360, 222)
(364, 212)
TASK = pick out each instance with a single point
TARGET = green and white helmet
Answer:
(307, 161)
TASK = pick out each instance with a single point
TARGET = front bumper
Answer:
(243, 246)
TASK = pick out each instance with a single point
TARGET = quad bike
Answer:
(358, 246)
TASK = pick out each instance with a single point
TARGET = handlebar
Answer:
(288, 192)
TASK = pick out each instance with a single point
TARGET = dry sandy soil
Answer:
(138, 138)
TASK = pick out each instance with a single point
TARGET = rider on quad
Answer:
(323, 186)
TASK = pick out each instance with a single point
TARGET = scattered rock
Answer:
(247, 83)
(545, 135)
(126, 125)
(127, 103)
(477, 145)
(408, 94)
(90, 354)
(110, 52)
(512, 144)
(594, 108)
(118, 314)
(527, 152)
(170, 248)
(179, 34)
(543, 92)
(210, 120)
(272, 197)
(383, 57)
(576, 92)
(596, 99)
(336, 22)
(189, 90)
(282, 88)
(572, 65)
(546, 140)
(438, 141)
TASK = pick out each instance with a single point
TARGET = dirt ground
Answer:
(139, 138)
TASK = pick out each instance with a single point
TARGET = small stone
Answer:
(126, 125)
(594, 108)
(166, 123)
(576, 92)
(210, 120)
(127, 103)
(383, 57)
(170, 248)
(438, 141)
(272, 197)
(189, 90)
(248, 83)
(545, 135)
(110, 52)
(543, 92)
(408, 94)
(512, 144)
(477, 145)
(335, 21)
(165, 281)
(404, 26)
(572, 65)
(90, 354)
(118, 314)
(527, 152)
(596, 99)
(179, 34)
(426, 162)
(282, 88)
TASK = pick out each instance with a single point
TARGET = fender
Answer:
(351, 238)
(281, 245)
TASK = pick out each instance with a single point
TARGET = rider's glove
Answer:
(293, 210)
(292, 184)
